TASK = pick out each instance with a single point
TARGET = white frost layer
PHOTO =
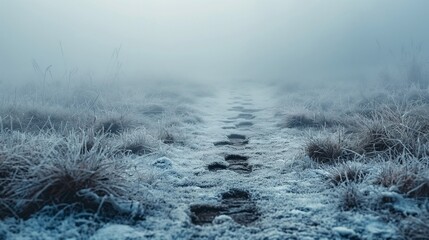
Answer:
(294, 200)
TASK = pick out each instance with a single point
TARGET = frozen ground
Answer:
(285, 197)
(238, 176)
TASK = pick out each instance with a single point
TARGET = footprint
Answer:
(236, 136)
(244, 124)
(238, 163)
(234, 140)
(248, 110)
(216, 166)
(222, 143)
(204, 214)
(236, 108)
(229, 127)
(240, 206)
(235, 203)
(227, 121)
(238, 139)
(246, 116)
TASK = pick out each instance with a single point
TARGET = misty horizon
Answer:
(211, 40)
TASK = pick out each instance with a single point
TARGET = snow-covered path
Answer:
(286, 201)
(238, 177)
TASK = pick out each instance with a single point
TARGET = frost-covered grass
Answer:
(71, 153)
(48, 169)
(382, 144)
(132, 163)
(306, 120)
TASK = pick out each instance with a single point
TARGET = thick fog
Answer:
(285, 40)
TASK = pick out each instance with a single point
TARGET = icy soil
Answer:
(259, 185)
(286, 198)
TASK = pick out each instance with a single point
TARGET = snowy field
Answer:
(214, 119)
(232, 162)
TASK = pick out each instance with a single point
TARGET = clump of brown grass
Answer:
(350, 198)
(58, 173)
(375, 139)
(324, 150)
(346, 173)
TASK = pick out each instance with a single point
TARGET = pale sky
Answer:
(211, 39)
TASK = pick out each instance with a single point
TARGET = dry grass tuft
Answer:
(346, 173)
(138, 142)
(375, 139)
(113, 125)
(58, 172)
(303, 120)
(324, 150)
(350, 198)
